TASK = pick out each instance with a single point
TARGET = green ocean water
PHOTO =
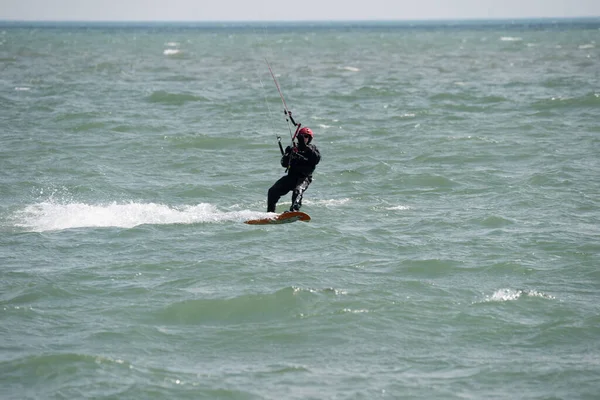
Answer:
(454, 247)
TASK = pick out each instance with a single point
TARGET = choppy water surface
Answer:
(454, 246)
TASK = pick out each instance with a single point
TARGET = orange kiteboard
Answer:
(285, 218)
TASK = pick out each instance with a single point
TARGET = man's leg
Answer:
(279, 188)
(301, 186)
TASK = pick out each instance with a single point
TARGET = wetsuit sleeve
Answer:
(311, 155)
(285, 159)
(315, 155)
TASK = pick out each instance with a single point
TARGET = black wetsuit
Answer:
(301, 161)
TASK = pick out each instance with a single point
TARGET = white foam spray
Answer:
(51, 216)
(515, 294)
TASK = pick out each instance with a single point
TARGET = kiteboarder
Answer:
(300, 161)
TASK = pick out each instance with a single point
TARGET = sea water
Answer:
(454, 247)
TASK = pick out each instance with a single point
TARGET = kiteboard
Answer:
(285, 218)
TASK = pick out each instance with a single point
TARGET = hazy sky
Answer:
(284, 10)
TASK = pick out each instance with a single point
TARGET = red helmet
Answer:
(306, 131)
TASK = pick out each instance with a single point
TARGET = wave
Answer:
(511, 39)
(327, 202)
(515, 294)
(51, 364)
(492, 221)
(172, 52)
(586, 46)
(65, 375)
(51, 216)
(288, 302)
(176, 78)
(462, 98)
(397, 208)
(164, 97)
(591, 100)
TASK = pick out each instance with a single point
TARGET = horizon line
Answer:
(391, 20)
